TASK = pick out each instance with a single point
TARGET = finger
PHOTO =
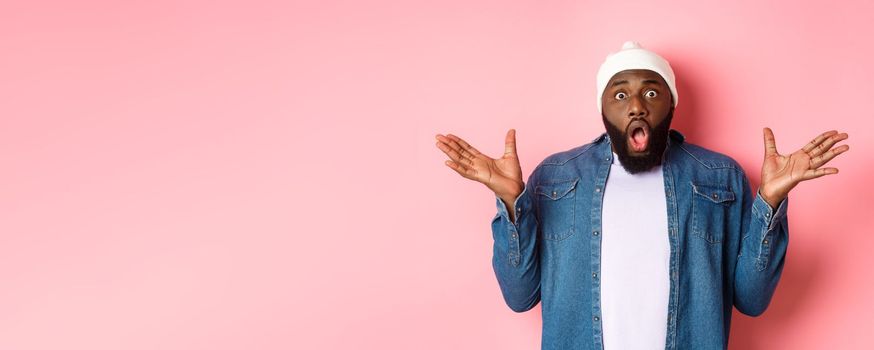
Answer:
(455, 146)
(770, 144)
(815, 173)
(510, 142)
(827, 143)
(816, 141)
(454, 155)
(461, 170)
(464, 144)
(821, 159)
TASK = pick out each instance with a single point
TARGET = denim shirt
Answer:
(727, 247)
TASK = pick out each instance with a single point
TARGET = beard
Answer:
(655, 148)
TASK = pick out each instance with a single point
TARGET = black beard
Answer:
(658, 141)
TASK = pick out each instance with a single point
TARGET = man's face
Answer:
(637, 111)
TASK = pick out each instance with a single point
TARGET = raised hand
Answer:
(502, 175)
(780, 173)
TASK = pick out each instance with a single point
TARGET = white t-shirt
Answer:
(635, 257)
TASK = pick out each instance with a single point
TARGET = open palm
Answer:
(502, 175)
(781, 173)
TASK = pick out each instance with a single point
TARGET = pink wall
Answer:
(218, 175)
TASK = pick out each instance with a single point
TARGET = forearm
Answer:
(762, 254)
(515, 259)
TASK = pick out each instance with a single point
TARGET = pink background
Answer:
(263, 175)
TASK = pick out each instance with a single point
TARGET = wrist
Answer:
(508, 200)
(773, 199)
(511, 196)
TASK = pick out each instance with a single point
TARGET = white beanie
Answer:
(633, 56)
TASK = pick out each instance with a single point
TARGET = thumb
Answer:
(510, 142)
(770, 144)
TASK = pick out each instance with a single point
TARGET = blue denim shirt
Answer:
(727, 247)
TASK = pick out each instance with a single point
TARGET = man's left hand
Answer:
(780, 173)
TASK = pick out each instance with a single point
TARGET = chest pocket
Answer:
(710, 206)
(557, 206)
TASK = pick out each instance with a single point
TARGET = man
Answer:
(639, 239)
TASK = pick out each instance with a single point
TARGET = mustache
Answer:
(658, 142)
(637, 119)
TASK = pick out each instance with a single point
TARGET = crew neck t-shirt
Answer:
(635, 257)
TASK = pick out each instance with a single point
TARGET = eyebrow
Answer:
(647, 81)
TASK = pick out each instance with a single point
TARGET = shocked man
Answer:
(639, 239)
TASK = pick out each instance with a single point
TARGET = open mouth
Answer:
(638, 135)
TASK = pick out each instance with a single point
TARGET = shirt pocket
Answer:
(710, 206)
(556, 204)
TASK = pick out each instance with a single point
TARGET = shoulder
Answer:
(563, 157)
(706, 167)
(707, 158)
(567, 163)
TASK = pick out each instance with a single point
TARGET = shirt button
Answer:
(595, 233)
(594, 275)
(513, 235)
(596, 318)
(597, 189)
(765, 241)
(715, 196)
(553, 193)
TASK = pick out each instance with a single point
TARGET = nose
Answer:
(636, 107)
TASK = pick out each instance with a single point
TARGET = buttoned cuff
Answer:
(771, 216)
(521, 205)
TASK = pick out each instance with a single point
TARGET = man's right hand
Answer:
(502, 175)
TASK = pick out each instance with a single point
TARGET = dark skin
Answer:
(644, 94)
(632, 94)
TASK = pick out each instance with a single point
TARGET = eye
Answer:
(651, 93)
(620, 96)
